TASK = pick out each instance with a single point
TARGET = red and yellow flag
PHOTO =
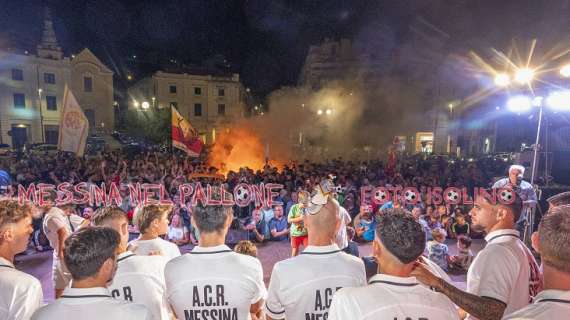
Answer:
(184, 136)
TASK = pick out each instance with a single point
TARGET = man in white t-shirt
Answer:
(393, 293)
(58, 225)
(20, 293)
(553, 244)
(504, 277)
(139, 279)
(303, 286)
(341, 236)
(152, 221)
(212, 281)
(90, 257)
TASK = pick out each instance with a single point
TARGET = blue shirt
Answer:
(369, 228)
(278, 225)
(526, 191)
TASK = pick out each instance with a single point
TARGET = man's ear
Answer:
(502, 213)
(7, 234)
(376, 248)
(535, 241)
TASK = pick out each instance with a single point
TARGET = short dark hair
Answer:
(554, 238)
(105, 214)
(401, 235)
(87, 249)
(515, 207)
(465, 241)
(210, 219)
(560, 199)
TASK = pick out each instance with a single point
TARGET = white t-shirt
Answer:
(20, 293)
(302, 287)
(91, 304)
(505, 270)
(54, 220)
(176, 233)
(388, 298)
(214, 283)
(140, 279)
(144, 247)
(341, 236)
(548, 305)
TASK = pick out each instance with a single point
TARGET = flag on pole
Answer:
(184, 136)
(74, 125)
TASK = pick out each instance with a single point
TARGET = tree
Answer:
(152, 125)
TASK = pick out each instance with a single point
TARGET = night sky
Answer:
(266, 40)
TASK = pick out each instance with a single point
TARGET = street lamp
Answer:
(153, 102)
(136, 103)
(145, 105)
(502, 80)
(524, 75)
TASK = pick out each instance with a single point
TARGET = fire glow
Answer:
(237, 148)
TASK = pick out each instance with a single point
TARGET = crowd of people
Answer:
(99, 270)
(174, 169)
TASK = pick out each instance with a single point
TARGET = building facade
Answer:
(340, 60)
(212, 103)
(32, 88)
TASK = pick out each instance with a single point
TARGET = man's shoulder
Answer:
(17, 280)
(532, 311)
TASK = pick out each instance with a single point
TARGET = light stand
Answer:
(530, 210)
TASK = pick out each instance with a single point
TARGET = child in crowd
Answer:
(460, 227)
(365, 224)
(437, 249)
(352, 247)
(463, 260)
(246, 247)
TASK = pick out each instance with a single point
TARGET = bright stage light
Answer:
(559, 100)
(565, 71)
(524, 75)
(319, 112)
(519, 104)
(145, 105)
(502, 80)
(329, 111)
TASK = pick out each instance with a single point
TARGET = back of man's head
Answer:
(401, 235)
(325, 220)
(104, 215)
(554, 238)
(12, 212)
(211, 219)
(560, 199)
(87, 249)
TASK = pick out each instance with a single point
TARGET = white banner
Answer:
(74, 125)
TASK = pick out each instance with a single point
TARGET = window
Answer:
(87, 84)
(49, 78)
(198, 110)
(17, 74)
(52, 134)
(198, 91)
(51, 103)
(174, 104)
(221, 92)
(172, 89)
(222, 109)
(19, 100)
